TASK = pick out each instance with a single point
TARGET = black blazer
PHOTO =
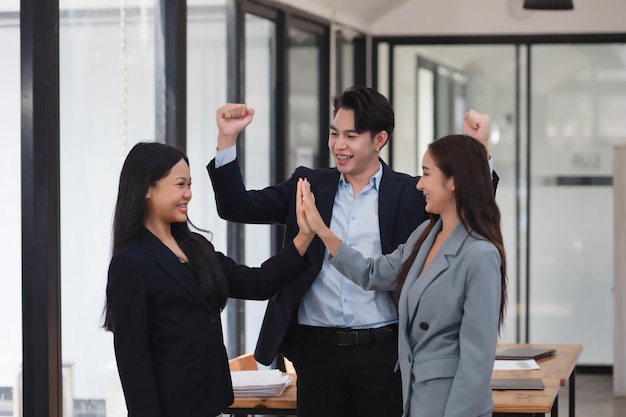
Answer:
(168, 339)
(400, 211)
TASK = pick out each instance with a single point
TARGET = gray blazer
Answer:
(448, 319)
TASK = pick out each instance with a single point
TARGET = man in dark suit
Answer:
(341, 339)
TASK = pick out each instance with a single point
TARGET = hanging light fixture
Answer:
(549, 4)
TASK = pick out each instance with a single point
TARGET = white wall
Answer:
(482, 17)
(467, 17)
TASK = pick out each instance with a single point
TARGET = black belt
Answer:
(349, 337)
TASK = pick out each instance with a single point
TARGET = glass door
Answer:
(260, 137)
(307, 85)
(432, 88)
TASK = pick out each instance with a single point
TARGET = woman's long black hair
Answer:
(466, 159)
(147, 163)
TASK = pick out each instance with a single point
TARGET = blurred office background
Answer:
(554, 84)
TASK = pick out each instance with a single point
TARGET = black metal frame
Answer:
(174, 26)
(360, 58)
(518, 208)
(41, 280)
(528, 187)
(235, 232)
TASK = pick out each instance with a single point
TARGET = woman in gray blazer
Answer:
(449, 278)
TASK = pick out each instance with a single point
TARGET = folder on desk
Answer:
(517, 383)
(524, 353)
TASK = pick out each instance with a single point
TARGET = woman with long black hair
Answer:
(167, 286)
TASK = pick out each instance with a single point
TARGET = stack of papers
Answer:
(262, 384)
(519, 365)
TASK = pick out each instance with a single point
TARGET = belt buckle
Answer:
(350, 338)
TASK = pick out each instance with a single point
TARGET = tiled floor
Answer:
(594, 398)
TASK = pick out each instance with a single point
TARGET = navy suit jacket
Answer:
(168, 339)
(400, 211)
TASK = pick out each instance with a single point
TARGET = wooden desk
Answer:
(555, 371)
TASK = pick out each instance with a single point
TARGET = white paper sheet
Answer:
(516, 365)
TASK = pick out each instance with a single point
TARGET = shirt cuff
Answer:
(226, 156)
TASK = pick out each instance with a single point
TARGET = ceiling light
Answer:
(548, 4)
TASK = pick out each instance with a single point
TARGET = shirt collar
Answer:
(374, 181)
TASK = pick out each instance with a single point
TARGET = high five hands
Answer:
(301, 208)
(309, 218)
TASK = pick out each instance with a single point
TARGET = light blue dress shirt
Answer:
(333, 300)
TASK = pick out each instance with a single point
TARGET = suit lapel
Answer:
(324, 193)
(388, 195)
(166, 259)
(406, 304)
(438, 265)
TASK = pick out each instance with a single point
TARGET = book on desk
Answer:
(518, 353)
(517, 383)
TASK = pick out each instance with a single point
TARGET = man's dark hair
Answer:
(372, 110)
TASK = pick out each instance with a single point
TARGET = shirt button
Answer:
(424, 326)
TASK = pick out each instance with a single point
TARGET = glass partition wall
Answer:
(433, 87)
(554, 163)
(577, 99)
(260, 138)
(206, 91)
(10, 211)
(111, 97)
(107, 104)
(303, 147)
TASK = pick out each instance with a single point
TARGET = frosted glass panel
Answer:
(108, 90)
(107, 95)
(303, 102)
(260, 90)
(10, 209)
(577, 99)
(206, 91)
(472, 81)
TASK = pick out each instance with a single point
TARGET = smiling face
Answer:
(438, 190)
(166, 201)
(356, 154)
